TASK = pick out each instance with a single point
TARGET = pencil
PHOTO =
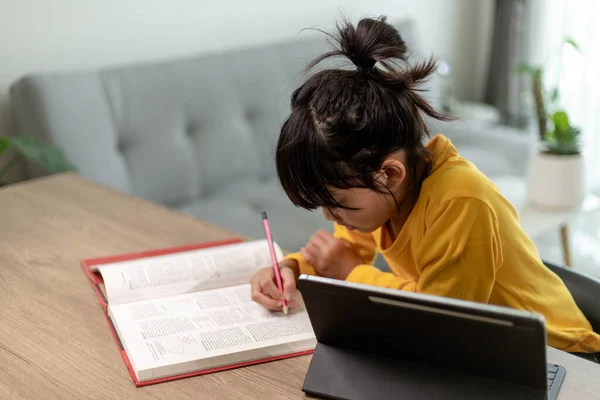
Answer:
(274, 260)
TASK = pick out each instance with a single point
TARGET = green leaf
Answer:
(48, 157)
(573, 44)
(561, 121)
(565, 142)
(4, 144)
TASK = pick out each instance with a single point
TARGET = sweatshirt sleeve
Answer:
(458, 256)
(363, 243)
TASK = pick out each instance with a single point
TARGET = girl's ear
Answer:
(392, 173)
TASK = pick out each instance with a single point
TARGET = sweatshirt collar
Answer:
(442, 150)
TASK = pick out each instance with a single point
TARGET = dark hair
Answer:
(344, 123)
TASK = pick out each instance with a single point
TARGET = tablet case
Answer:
(379, 343)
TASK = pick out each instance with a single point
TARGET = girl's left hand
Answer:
(331, 257)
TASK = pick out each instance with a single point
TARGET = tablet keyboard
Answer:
(552, 372)
(556, 375)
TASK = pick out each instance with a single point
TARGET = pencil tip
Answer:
(285, 310)
(264, 214)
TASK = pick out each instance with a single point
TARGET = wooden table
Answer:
(54, 341)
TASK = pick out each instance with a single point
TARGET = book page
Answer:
(185, 272)
(204, 325)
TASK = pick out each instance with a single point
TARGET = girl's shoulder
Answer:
(458, 178)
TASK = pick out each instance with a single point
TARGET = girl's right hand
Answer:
(264, 287)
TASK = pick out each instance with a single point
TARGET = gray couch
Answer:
(198, 134)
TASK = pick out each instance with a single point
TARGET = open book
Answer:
(187, 311)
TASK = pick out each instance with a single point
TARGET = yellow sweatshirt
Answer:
(463, 240)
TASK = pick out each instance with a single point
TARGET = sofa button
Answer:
(192, 129)
(251, 115)
(122, 146)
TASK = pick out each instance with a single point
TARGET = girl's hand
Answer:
(331, 257)
(264, 287)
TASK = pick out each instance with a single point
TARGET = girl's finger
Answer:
(289, 282)
(325, 236)
(318, 240)
(313, 250)
(308, 257)
(268, 287)
(292, 304)
(265, 301)
(316, 250)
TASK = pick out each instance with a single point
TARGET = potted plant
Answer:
(45, 156)
(556, 175)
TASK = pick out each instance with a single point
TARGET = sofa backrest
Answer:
(172, 131)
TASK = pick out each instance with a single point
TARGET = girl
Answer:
(353, 146)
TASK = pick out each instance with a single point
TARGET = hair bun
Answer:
(364, 64)
(372, 40)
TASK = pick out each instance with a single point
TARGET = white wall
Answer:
(49, 35)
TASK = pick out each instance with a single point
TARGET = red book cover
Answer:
(96, 280)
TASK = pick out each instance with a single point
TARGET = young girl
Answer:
(353, 146)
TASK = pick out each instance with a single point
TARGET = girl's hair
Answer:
(344, 123)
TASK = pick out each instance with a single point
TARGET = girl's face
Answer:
(373, 209)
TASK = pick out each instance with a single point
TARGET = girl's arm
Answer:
(458, 256)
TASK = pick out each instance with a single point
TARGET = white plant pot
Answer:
(556, 181)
